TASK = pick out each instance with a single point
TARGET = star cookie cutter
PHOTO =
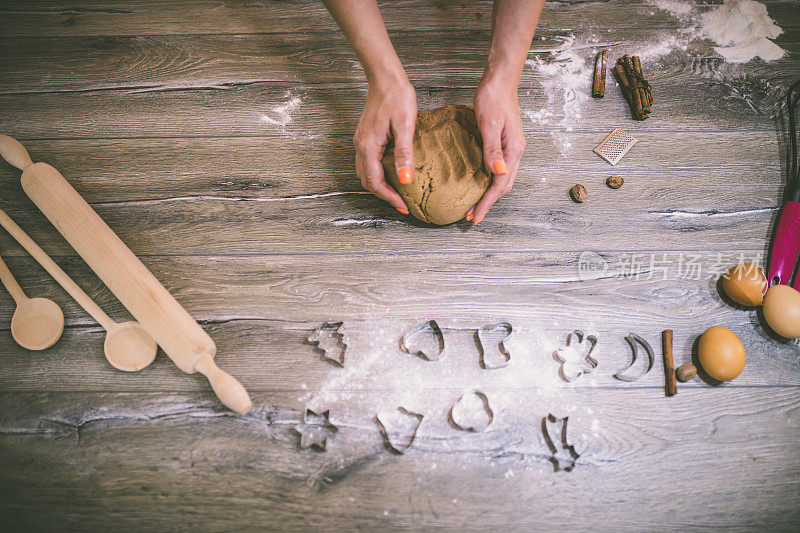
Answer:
(563, 454)
(328, 340)
(576, 360)
(433, 350)
(494, 353)
(630, 373)
(315, 430)
(399, 428)
(472, 412)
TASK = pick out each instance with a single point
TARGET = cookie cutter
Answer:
(328, 339)
(502, 354)
(627, 374)
(407, 343)
(563, 454)
(471, 412)
(573, 362)
(315, 430)
(399, 428)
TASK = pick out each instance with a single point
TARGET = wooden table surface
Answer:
(215, 136)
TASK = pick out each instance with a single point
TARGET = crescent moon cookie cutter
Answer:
(630, 373)
(494, 353)
(576, 360)
(328, 340)
(425, 340)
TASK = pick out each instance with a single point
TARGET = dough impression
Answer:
(450, 175)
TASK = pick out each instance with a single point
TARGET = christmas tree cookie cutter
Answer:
(328, 340)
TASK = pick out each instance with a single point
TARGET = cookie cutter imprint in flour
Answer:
(576, 358)
(399, 428)
(563, 454)
(630, 373)
(328, 339)
(315, 430)
(425, 340)
(494, 353)
(472, 412)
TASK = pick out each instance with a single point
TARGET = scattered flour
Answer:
(742, 29)
(280, 115)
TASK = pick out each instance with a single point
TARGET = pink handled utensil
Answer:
(786, 244)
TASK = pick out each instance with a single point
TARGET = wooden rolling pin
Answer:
(181, 338)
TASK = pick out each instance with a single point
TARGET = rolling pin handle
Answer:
(14, 153)
(226, 387)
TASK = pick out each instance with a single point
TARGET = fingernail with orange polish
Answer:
(404, 211)
(404, 174)
(478, 220)
(469, 217)
(500, 167)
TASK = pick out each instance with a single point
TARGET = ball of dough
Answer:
(450, 175)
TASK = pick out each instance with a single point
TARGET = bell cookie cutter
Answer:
(563, 454)
(629, 373)
(315, 430)
(494, 354)
(410, 341)
(574, 362)
(471, 412)
(398, 428)
(328, 339)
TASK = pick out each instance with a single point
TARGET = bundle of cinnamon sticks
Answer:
(637, 91)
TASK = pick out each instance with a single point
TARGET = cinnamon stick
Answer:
(669, 363)
(635, 87)
(599, 80)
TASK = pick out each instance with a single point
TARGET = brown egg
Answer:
(782, 310)
(745, 284)
(721, 353)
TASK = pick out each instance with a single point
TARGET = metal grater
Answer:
(615, 146)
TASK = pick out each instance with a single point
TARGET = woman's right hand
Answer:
(389, 112)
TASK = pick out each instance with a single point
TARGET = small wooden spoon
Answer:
(37, 322)
(127, 346)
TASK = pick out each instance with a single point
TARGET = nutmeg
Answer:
(615, 182)
(686, 372)
(579, 193)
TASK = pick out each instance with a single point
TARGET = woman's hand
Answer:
(390, 111)
(497, 112)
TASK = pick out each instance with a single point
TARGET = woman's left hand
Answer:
(498, 115)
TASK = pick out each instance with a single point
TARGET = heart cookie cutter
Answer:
(430, 329)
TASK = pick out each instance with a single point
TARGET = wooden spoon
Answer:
(127, 346)
(37, 322)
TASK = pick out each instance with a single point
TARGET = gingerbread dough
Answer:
(450, 175)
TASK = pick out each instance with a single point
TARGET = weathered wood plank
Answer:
(211, 62)
(113, 170)
(530, 218)
(137, 17)
(261, 310)
(154, 461)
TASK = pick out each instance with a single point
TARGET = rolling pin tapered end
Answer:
(14, 153)
(226, 387)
